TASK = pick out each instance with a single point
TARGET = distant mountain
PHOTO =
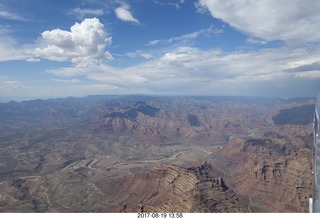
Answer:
(301, 115)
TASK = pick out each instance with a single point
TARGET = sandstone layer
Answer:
(171, 189)
(274, 171)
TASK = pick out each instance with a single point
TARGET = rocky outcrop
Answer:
(186, 121)
(212, 194)
(164, 189)
(274, 171)
(171, 189)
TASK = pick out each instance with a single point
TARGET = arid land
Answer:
(156, 154)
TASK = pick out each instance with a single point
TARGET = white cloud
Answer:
(153, 42)
(186, 38)
(9, 50)
(177, 4)
(83, 12)
(292, 21)
(84, 44)
(190, 36)
(140, 53)
(8, 85)
(146, 55)
(187, 70)
(11, 16)
(124, 14)
(97, 88)
(5, 29)
(74, 80)
(256, 41)
(309, 74)
(102, 73)
(32, 60)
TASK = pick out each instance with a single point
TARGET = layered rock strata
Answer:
(171, 189)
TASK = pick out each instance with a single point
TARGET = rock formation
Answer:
(274, 171)
(171, 189)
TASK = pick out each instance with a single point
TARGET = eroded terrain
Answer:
(143, 153)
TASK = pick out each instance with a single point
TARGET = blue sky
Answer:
(57, 48)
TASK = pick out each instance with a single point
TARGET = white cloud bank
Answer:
(83, 45)
(293, 21)
(187, 70)
(124, 14)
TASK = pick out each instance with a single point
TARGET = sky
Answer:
(59, 48)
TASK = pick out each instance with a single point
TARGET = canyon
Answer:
(141, 153)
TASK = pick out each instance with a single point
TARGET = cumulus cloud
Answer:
(124, 14)
(84, 44)
(292, 21)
